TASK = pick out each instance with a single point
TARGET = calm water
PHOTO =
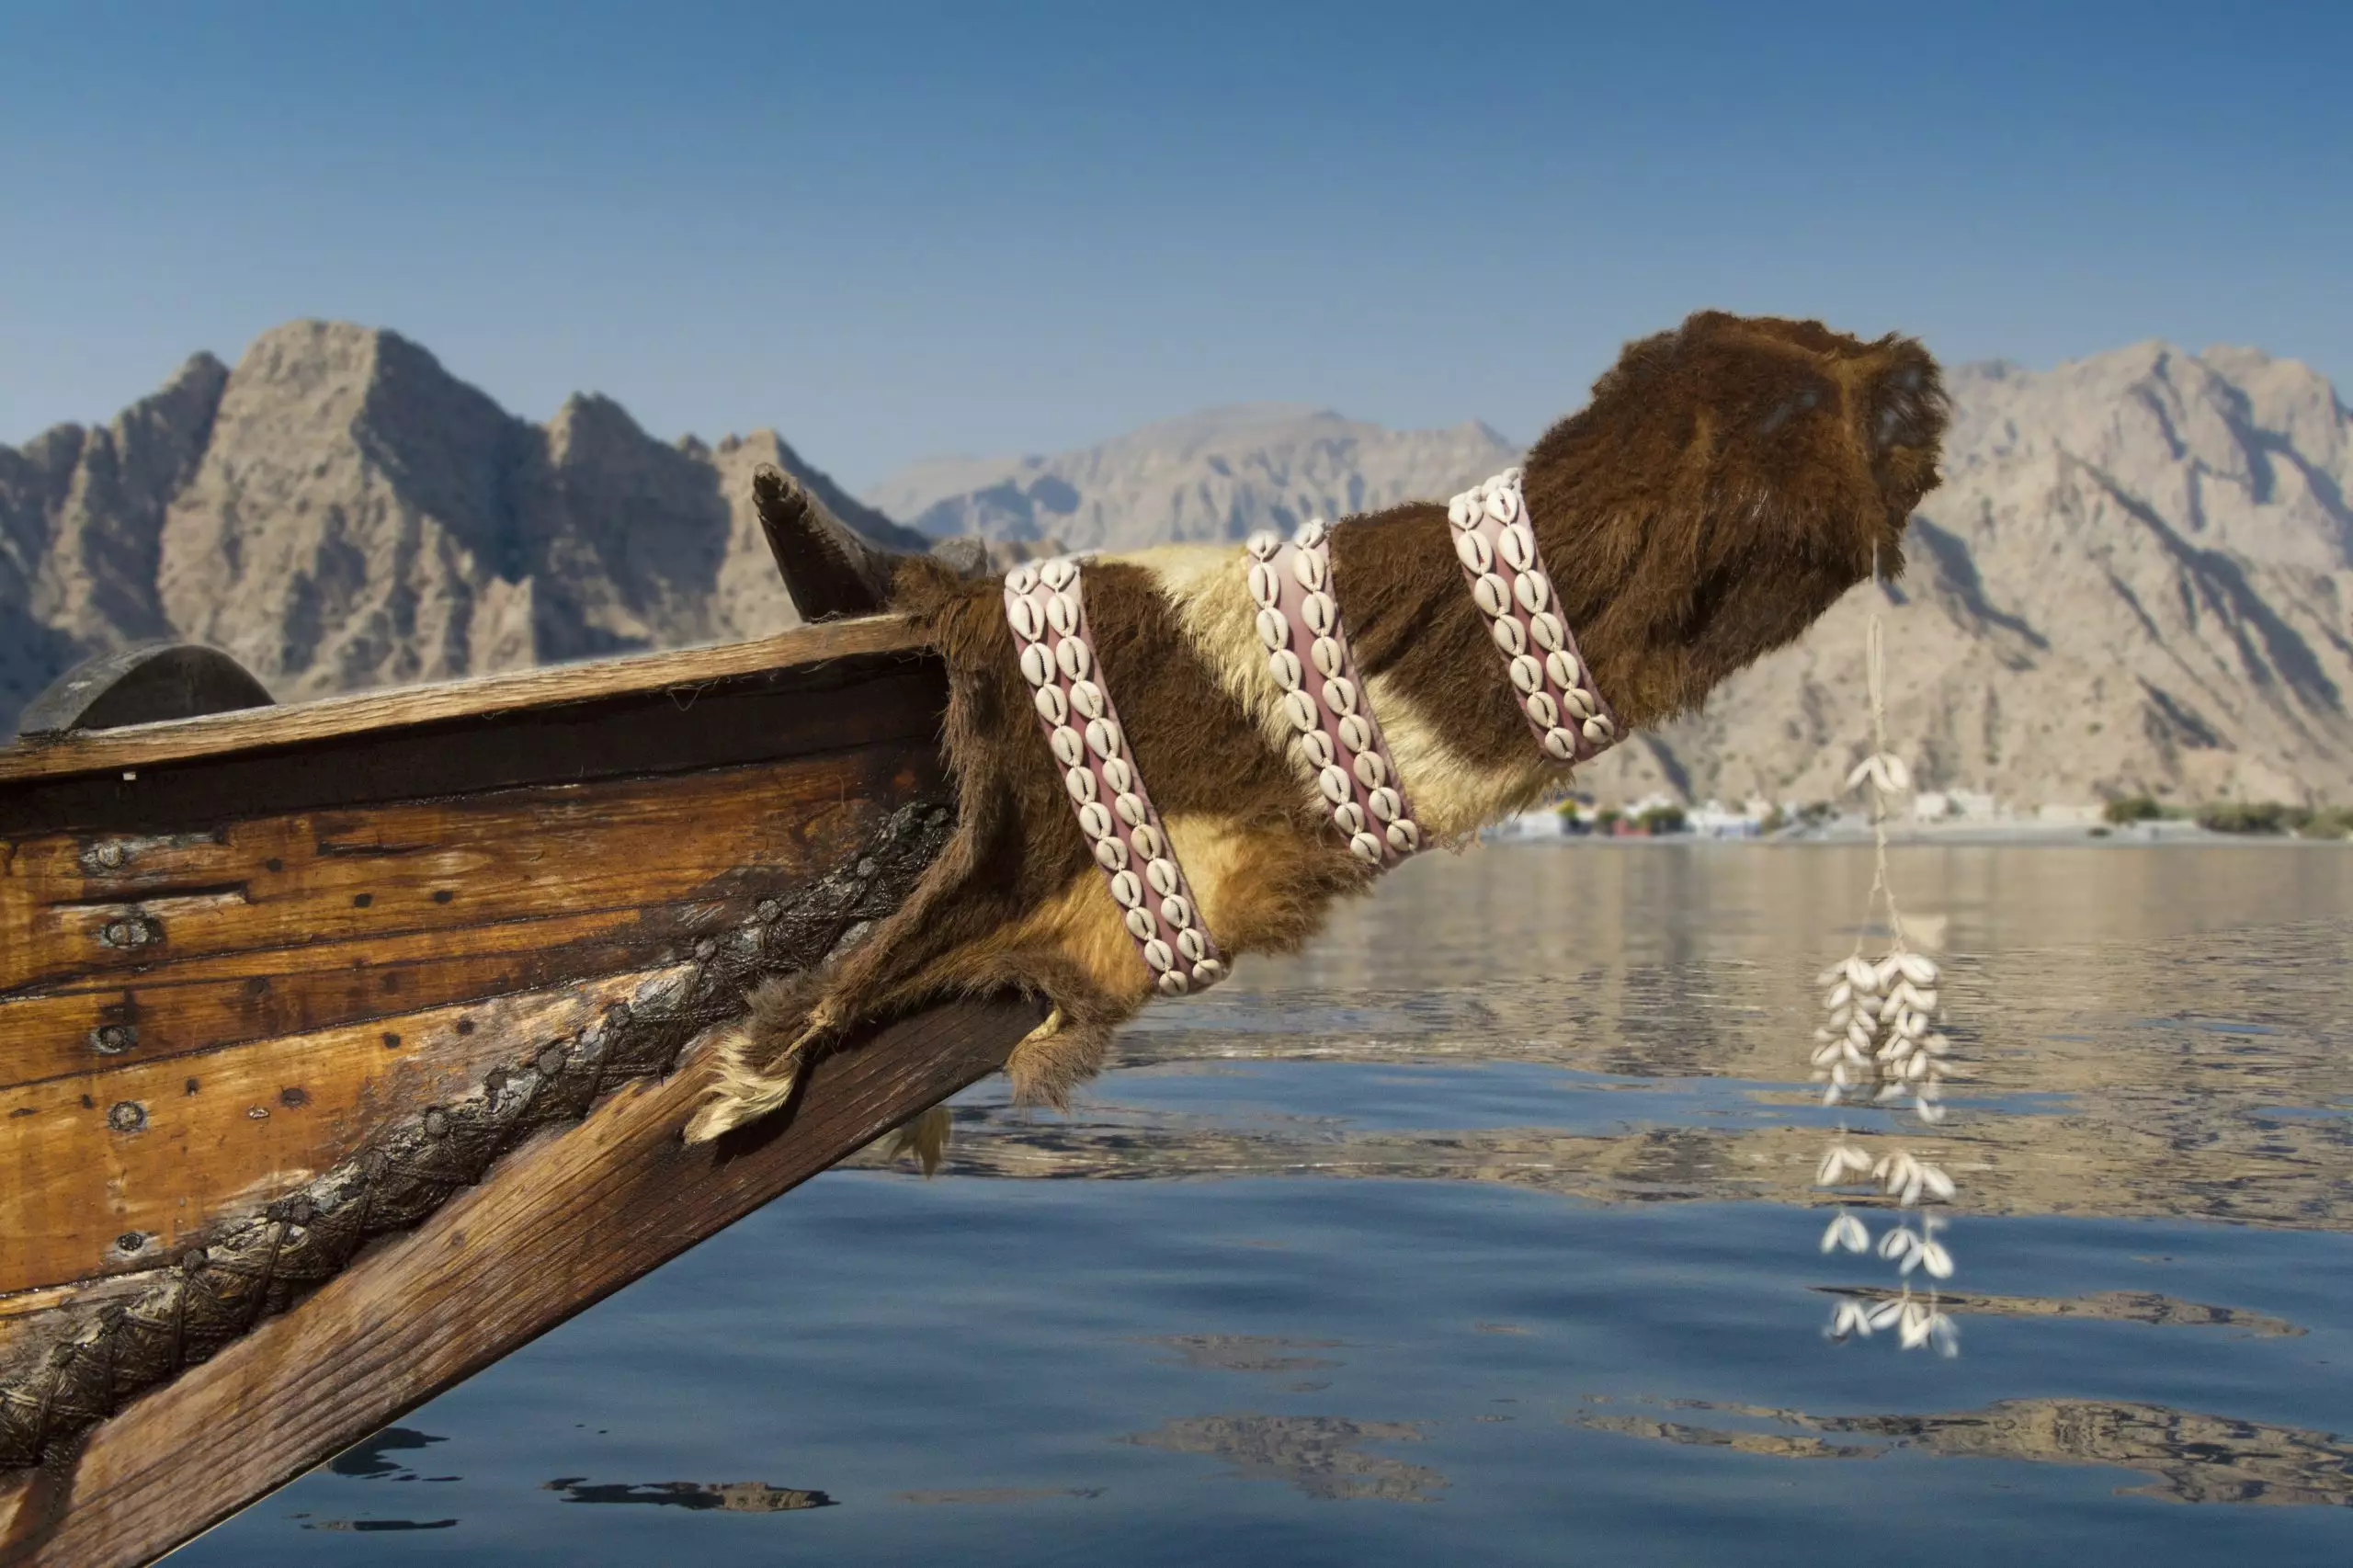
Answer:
(1487, 1230)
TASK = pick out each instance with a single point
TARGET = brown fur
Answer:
(1728, 481)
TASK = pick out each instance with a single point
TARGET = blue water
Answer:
(1485, 1231)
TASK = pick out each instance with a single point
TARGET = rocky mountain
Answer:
(340, 511)
(1221, 473)
(2135, 578)
(2138, 576)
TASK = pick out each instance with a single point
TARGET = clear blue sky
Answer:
(899, 231)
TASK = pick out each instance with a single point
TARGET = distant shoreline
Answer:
(1914, 836)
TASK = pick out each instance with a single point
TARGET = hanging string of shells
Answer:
(1881, 1050)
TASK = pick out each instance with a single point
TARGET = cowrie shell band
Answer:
(1047, 609)
(1496, 542)
(1324, 699)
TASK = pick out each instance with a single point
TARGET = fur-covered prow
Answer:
(1727, 482)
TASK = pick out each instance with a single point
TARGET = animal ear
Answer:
(829, 571)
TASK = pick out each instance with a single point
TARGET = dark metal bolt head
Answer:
(127, 1115)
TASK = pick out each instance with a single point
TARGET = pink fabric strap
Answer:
(1496, 545)
(1298, 622)
(1048, 612)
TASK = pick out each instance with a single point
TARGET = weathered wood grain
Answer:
(342, 718)
(72, 911)
(556, 1226)
(791, 712)
(106, 1172)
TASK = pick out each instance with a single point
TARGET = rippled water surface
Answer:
(1487, 1230)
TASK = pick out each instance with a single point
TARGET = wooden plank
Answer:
(231, 998)
(103, 1172)
(337, 718)
(558, 1225)
(261, 886)
(838, 704)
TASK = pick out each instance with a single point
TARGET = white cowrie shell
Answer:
(1517, 546)
(1157, 954)
(1130, 809)
(1208, 972)
(1474, 551)
(1340, 696)
(1371, 772)
(1333, 782)
(1147, 841)
(1119, 775)
(1356, 731)
(1095, 820)
(1023, 614)
(1318, 747)
(1264, 587)
(1404, 837)
(1366, 847)
(1173, 985)
(1070, 654)
(1348, 816)
(1127, 889)
(1059, 572)
(1061, 613)
(1532, 591)
(1526, 672)
(1542, 707)
(1102, 737)
(1580, 702)
(1561, 665)
(1307, 566)
(1037, 664)
(1140, 923)
(1493, 593)
(1598, 730)
(1919, 970)
(1326, 653)
(1321, 612)
(1458, 511)
(1111, 854)
(1508, 636)
(1021, 579)
(1262, 544)
(1561, 744)
(1048, 700)
(1070, 750)
(1273, 629)
(1086, 696)
(1286, 668)
(1177, 910)
(1511, 476)
(1387, 804)
(1192, 944)
(1300, 708)
(1546, 628)
(1317, 531)
(1502, 505)
(1162, 873)
(1080, 782)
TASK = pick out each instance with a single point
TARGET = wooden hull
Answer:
(345, 1047)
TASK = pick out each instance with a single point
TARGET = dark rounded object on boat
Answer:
(141, 685)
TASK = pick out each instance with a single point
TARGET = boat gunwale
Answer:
(69, 753)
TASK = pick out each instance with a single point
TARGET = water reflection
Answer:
(731, 1497)
(2107, 1306)
(2133, 1052)
(2192, 1458)
(1321, 1456)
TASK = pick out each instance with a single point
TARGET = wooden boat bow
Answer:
(344, 1045)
